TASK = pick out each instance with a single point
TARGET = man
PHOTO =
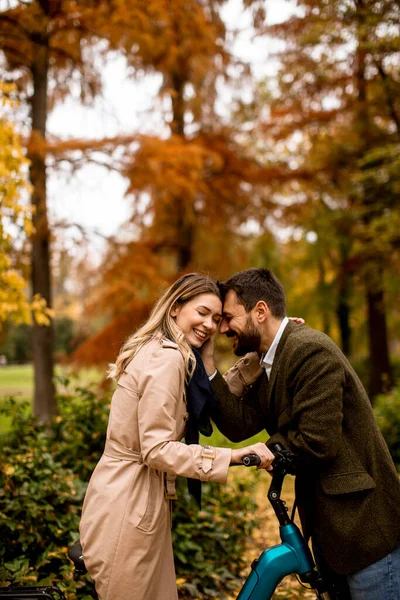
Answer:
(294, 382)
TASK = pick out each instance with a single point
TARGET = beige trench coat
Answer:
(125, 528)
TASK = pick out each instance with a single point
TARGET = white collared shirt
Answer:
(267, 359)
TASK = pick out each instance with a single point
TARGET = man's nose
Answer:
(223, 326)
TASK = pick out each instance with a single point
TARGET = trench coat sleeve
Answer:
(237, 413)
(316, 377)
(161, 390)
(243, 374)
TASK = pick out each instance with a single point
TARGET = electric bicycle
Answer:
(292, 555)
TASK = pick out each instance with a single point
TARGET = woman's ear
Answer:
(175, 310)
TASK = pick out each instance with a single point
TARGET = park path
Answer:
(268, 535)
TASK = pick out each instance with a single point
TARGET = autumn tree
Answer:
(193, 185)
(183, 41)
(43, 42)
(335, 108)
(50, 47)
(15, 216)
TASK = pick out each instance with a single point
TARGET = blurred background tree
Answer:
(15, 222)
(334, 108)
(45, 49)
(192, 186)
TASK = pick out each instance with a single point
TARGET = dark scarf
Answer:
(200, 399)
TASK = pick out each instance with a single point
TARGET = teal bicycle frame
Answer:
(293, 554)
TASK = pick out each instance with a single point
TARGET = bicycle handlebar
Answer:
(284, 458)
(251, 460)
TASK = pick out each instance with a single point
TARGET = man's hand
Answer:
(207, 354)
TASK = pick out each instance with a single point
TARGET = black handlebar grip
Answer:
(251, 460)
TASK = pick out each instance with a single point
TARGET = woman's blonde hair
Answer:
(161, 322)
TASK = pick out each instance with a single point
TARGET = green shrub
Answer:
(387, 412)
(209, 544)
(43, 477)
(40, 503)
(80, 429)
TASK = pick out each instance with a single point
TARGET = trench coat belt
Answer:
(115, 450)
(170, 490)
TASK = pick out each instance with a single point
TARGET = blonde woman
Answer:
(125, 528)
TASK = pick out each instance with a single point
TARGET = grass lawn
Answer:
(220, 441)
(17, 381)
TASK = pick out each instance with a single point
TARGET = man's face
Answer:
(238, 325)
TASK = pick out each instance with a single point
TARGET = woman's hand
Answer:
(207, 354)
(297, 320)
(260, 449)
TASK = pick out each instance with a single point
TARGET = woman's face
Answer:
(198, 318)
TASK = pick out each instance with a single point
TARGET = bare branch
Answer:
(22, 58)
(8, 19)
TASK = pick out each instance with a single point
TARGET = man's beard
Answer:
(247, 341)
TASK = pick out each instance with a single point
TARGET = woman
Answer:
(125, 528)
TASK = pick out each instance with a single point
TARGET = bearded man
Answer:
(295, 383)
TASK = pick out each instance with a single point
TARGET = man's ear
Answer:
(261, 311)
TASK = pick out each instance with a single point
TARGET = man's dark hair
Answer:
(253, 285)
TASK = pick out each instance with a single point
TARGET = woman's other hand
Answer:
(265, 454)
(297, 320)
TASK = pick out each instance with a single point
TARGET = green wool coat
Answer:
(347, 487)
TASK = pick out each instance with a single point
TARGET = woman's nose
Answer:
(210, 324)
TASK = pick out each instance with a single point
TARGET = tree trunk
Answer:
(42, 336)
(380, 373)
(185, 233)
(344, 294)
(379, 361)
(322, 288)
(184, 228)
(343, 315)
(178, 105)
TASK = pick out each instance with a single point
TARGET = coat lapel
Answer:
(273, 410)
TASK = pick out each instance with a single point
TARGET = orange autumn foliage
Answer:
(193, 191)
(104, 346)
